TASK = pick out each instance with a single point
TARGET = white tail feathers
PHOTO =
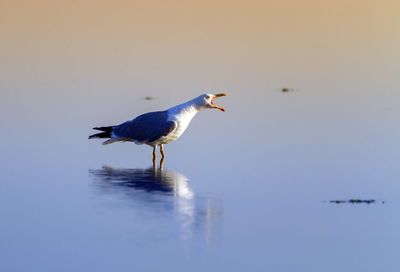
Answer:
(117, 139)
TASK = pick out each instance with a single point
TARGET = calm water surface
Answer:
(246, 190)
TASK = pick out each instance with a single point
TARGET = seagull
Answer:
(159, 127)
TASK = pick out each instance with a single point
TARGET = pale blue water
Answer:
(245, 190)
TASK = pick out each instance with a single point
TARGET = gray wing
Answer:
(147, 127)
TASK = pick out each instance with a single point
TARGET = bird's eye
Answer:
(207, 97)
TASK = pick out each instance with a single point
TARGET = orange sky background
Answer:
(58, 53)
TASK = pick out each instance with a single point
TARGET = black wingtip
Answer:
(101, 135)
(105, 129)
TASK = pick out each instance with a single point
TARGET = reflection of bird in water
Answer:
(151, 180)
(156, 187)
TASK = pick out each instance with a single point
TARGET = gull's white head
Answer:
(206, 101)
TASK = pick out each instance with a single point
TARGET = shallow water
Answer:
(235, 193)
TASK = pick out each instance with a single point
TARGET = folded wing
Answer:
(145, 128)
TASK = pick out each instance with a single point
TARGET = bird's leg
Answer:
(154, 155)
(162, 154)
(162, 150)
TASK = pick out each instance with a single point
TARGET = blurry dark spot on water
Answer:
(287, 90)
(357, 201)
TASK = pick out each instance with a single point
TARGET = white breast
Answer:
(183, 121)
(182, 116)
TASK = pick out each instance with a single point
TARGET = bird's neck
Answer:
(188, 109)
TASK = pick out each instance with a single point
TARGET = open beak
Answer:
(212, 101)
